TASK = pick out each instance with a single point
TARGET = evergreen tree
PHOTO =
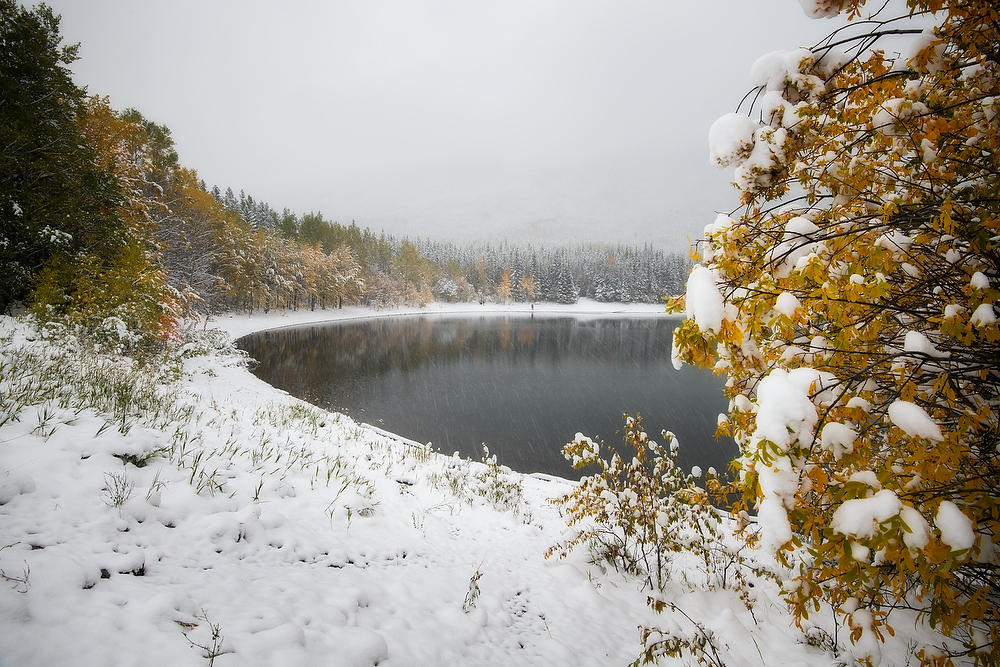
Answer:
(313, 229)
(517, 291)
(288, 224)
(54, 199)
(565, 288)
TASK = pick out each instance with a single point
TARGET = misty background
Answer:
(460, 120)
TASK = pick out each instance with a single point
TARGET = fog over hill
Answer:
(571, 120)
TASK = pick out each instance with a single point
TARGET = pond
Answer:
(522, 385)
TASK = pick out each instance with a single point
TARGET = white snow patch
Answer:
(675, 355)
(918, 533)
(767, 154)
(914, 341)
(838, 439)
(774, 70)
(867, 646)
(799, 226)
(861, 517)
(914, 420)
(858, 402)
(777, 479)
(983, 315)
(866, 477)
(703, 301)
(775, 528)
(895, 241)
(785, 415)
(240, 324)
(952, 310)
(787, 304)
(721, 223)
(730, 139)
(785, 412)
(955, 526)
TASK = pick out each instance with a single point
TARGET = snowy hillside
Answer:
(187, 513)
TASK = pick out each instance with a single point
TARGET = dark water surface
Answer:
(522, 385)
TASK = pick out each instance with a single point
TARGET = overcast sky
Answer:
(452, 119)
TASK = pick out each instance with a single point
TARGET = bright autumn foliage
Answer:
(504, 288)
(123, 278)
(852, 305)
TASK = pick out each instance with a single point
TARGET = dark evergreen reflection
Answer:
(522, 385)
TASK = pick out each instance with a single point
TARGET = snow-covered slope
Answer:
(198, 516)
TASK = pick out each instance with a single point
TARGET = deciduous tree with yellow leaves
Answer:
(124, 277)
(851, 302)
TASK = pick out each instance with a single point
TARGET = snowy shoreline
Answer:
(238, 325)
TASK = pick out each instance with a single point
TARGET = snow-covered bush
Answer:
(487, 481)
(842, 305)
(497, 484)
(202, 341)
(639, 507)
(640, 512)
(69, 366)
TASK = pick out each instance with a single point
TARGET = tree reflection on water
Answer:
(523, 385)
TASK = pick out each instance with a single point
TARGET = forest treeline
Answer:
(100, 219)
(418, 271)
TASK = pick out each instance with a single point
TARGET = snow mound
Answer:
(914, 341)
(838, 439)
(983, 316)
(775, 528)
(914, 421)
(703, 301)
(918, 532)
(730, 139)
(785, 412)
(955, 526)
(861, 517)
(774, 70)
(787, 304)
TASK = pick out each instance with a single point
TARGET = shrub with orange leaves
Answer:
(851, 302)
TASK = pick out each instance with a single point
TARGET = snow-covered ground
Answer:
(204, 517)
(241, 324)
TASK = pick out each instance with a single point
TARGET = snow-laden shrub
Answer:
(640, 507)
(851, 303)
(69, 366)
(498, 485)
(488, 481)
(640, 512)
(200, 342)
